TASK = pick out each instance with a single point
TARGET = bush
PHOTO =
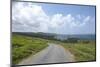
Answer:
(71, 40)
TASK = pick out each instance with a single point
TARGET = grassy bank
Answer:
(24, 46)
(83, 51)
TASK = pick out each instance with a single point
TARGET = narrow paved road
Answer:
(52, 54)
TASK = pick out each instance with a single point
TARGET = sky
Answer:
(53, 18)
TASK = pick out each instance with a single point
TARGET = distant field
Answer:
(23, 46)
(83, 51)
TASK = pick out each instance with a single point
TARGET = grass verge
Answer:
(82, 51)
(24, 46)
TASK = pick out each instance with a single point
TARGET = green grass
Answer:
(82, 51)
(24, 46)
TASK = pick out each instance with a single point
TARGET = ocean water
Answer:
(81, 37)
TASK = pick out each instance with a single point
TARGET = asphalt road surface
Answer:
(52, 54)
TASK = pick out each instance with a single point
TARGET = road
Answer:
(52, 54)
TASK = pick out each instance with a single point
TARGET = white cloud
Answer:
(29, 17)
(87, 19)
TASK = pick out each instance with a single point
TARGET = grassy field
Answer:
(23, 46)
(82, 51)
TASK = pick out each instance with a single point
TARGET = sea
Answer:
(79, 36)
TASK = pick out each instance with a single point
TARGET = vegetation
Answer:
(23, 46)
(83, 50)
(71, 40)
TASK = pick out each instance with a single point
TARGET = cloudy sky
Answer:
(53, 18)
